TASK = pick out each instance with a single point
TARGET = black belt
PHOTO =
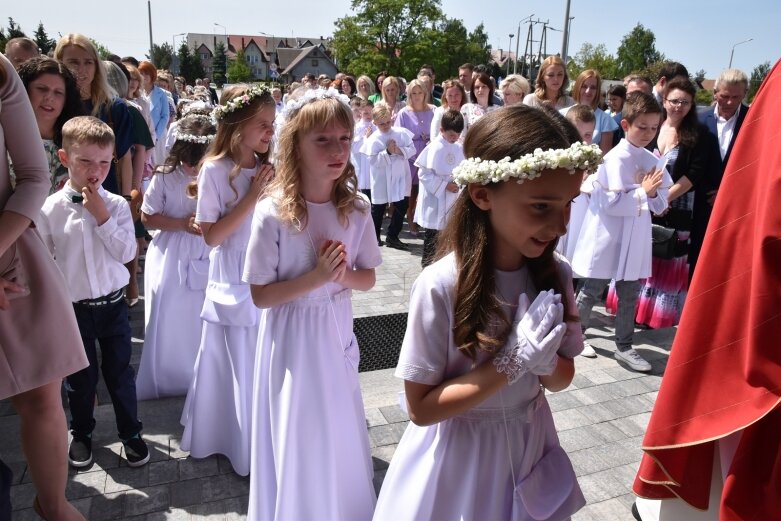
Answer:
(111, 298)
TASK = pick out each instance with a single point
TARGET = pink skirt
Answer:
(39, 338)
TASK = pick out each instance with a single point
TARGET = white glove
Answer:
(535, 338)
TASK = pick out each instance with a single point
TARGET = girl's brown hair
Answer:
(582, 77)
(479, 321)
(449, 84)
(227, 141)
(286, 185)
(539, 84)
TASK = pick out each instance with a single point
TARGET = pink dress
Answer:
(39, 338)
(464, 467)
(310, 447)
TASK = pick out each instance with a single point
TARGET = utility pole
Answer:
(149, 11)
(565, 38)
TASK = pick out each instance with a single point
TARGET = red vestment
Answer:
(724, 370)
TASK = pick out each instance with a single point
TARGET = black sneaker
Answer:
(136, 451)
(80, 451)
(395, 242)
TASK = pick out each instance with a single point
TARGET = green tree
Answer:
(238, 70)
(703, 97)
(594, 57)
(637, 51)
(756, 79)
(190, 65)
(219, 64)
(385, 34)
(14, 31)
(162, 55)
(45, 44)
(103, 51)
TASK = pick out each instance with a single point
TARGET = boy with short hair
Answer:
(438, 191)
(389, 149)
(90, 233)
(615, 239)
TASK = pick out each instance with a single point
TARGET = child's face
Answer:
(586, 130)
(357, 111)
(82, 64)
(87, 163)
(451, 136)
(643, 130)
(526, 218)
(383, 124)
(258, 131)
(366, 113)
(616, 103)
(324, 153)
(47, 96)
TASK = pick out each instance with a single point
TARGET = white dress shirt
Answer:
(725, 128)
(91, 257)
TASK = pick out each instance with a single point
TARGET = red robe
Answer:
(724, 371)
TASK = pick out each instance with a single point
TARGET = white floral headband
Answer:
(179, 135)
(309, 96)
(239, 102)
(577, 157)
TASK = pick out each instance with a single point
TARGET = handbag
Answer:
(663, 241)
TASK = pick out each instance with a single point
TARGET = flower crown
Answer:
(577, 157)
(293, 106)
(179, 135)
(239, 102)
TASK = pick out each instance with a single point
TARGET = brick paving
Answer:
(600, 418)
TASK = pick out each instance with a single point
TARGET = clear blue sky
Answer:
(700, 34)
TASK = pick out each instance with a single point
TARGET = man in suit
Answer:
(724, 120)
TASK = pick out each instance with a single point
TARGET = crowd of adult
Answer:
(141, 103)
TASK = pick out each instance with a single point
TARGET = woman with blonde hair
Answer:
(550, 85)
(391, 95)
(588, 91)
(78, 53)
(364, 86)
(514, 88)
(416, 117)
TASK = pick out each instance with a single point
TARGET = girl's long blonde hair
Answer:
(227, 141)
(101, 92)
(286, 186)
(540, 90)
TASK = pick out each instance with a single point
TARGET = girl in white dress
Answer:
(233, 175)
(177, 265)
(477, 356)
(312, 243)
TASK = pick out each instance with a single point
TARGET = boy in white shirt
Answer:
(90, 233)
(364, 127)
(615, 238)
(438, 191)
(389, 149)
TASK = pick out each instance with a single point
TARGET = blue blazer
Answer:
(708, 118)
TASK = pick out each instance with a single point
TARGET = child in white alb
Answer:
(435, 171)
(615, 238)
(364, 127)
(312, 244)
(218, 409)
(389, 150)
(177, 266)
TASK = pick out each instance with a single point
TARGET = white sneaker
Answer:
(588, 350)
(633, 359)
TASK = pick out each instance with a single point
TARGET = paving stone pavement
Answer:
(600, 419)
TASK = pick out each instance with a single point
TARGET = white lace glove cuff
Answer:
(510, 363)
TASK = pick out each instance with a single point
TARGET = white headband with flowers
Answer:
(293, 106)
(179, 135)
(239, 102)
(579, 156)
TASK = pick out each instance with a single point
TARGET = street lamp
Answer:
(174, 56)
(509, 52)
(224, 30)
(731, 54)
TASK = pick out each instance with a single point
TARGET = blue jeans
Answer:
(109, 325)
(628, 292)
